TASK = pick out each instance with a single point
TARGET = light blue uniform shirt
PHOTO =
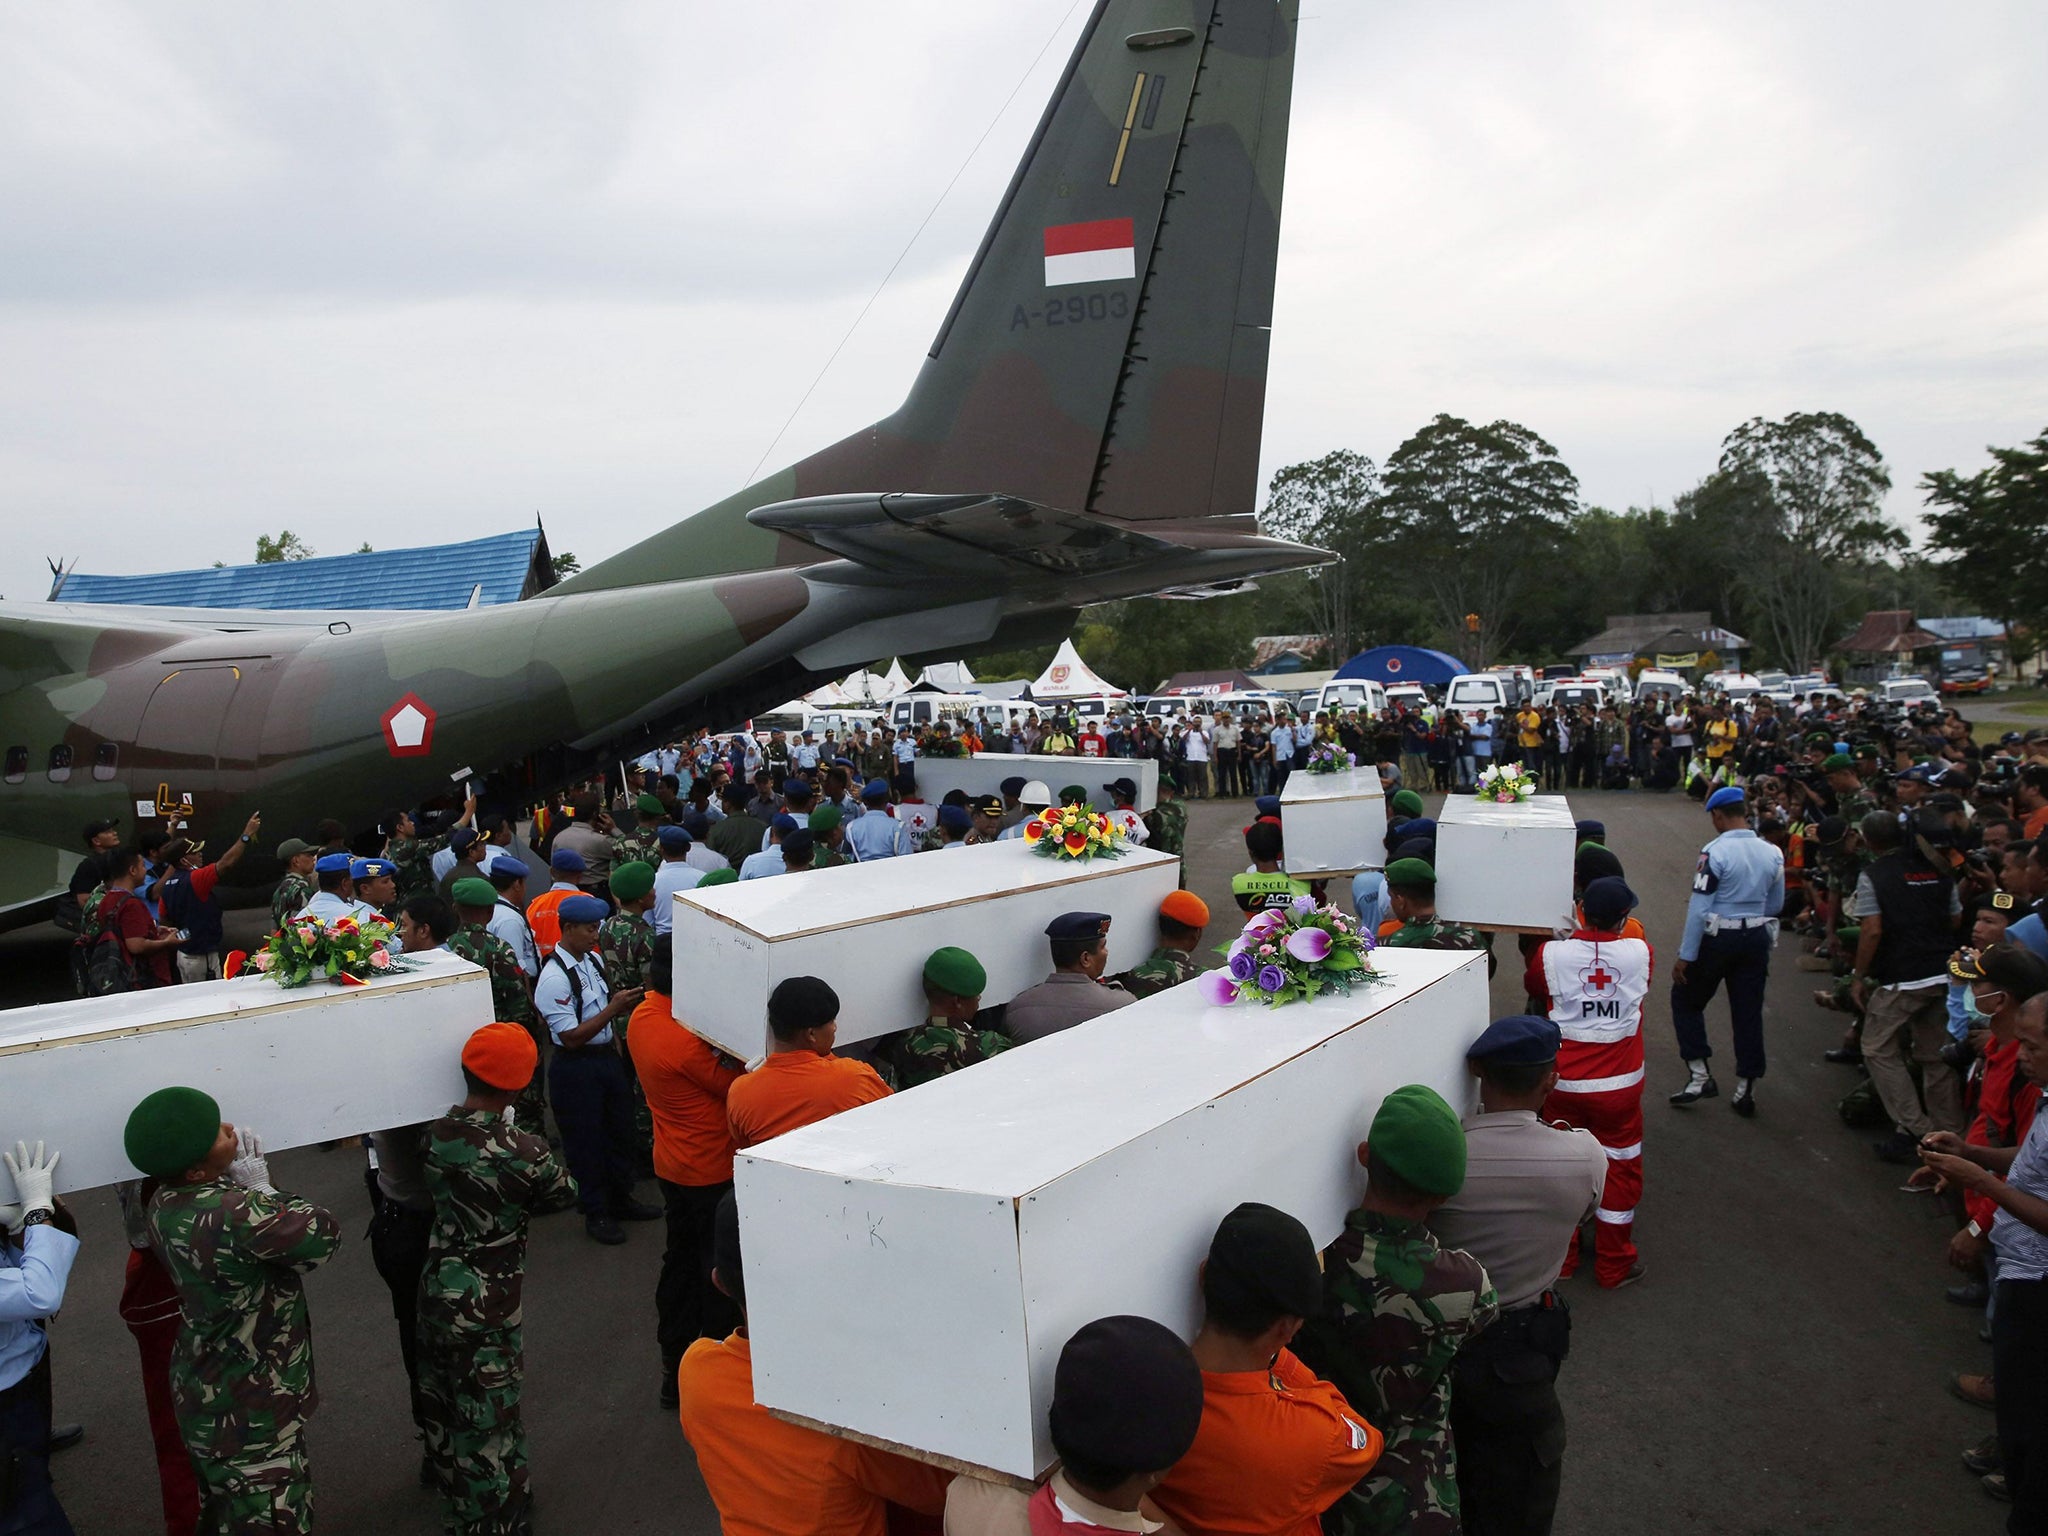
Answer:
(2023, 1252)
(509, 924)
(877, 835)
(1739, 875)
(760, 866)
(32, 1276)
(555, 995)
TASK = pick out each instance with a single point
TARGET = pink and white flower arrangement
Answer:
(1291, 953)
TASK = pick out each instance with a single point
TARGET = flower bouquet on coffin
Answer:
(1506, 784)
(1324, 758)
(1296, 952)
(1074, 832)
(347, 951)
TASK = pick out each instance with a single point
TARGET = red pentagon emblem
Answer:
(409, 727)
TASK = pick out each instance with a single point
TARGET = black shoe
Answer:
(1971, 1293)
(1898, 1148)
(1693, 1092)
(65, 1436)
(671, 1397)
(1994, 1484)
(637, 1210)
(604, 1230)
(1843, 1056)
(1982, 1458)
(1744, 1101)
(565, 1201)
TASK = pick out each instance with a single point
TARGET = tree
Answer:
(1992, 530)
(1815, 487)
(366, 550)
(565, 564)
(1331, 503)
(286, 546)
(1475, 514)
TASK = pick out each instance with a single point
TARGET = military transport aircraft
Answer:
(1085, 427)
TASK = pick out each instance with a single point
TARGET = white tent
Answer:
(894, 680)
(946, 676)
(862, 688)
(831, 696)
(1067, 676)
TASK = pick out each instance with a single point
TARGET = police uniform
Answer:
(330, 907)
(1527, 1188)
(1065, 998)
(509, 924)
(1738, 889)
(877, 834)
(588, 1082)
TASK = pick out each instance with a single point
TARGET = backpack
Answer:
(100, 963)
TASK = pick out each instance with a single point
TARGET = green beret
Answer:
(171, 1130)
(1073, 794)
(1838, 762)
(825, 818)
(1407, 802)
(647, 805)
(956, 971)
(1416, 1136)
(473, 892)
(630, 882)
(1410, 872)
(719, 877)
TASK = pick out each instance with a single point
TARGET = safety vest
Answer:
(1597, 988)
(545, 921)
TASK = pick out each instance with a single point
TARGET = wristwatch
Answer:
(247, 838)
(34, 1218)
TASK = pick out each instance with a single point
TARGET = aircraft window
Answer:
(17, 764)
(106, 757)
(60, 763)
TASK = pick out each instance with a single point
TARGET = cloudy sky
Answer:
(400, 273)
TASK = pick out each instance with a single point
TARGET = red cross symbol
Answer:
(1599, 978)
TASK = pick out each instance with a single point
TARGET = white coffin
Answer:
(915, 1265)
(302, 1066)
(1505, 866)
(868, 928)
(983, 774)
(1334, 823)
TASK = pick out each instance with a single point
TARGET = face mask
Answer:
(1977, 1016)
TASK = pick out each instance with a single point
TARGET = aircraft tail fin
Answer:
(1106, 353)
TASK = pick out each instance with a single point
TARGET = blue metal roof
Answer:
(1402, 664)
(437, 576)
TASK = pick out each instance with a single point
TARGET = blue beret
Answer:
(1419, 826)
(568, 861)
(875, 789)
(956, 817)
(1919, 773)
(783, 822)
(505, 864)
(796, 787)
(1522, 1039)
(371, 869)
(1013, 786)
(842, 762)
(696, 823)
(1078, 925)
(332, 863)
(673, 837)
(1727, 795)
(582, 909)
(1267, 805)
(1590, 830)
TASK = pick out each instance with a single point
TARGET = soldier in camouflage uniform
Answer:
(1411, 897)
(824, 825)
(234, 1247)
(948, 1039)
(1397, 1308)
(1166, 824)
(296, 888)
(487, 1179)
(1182, 917)
(475, 899)
(643, 843)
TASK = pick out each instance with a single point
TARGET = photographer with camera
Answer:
(1907, 909)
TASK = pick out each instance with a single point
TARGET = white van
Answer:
(1615, 681)
(1350, 693)
(842, 723)
(918, 710)
(1167, 707)
(1571, 692)
(1662, 688)
(1908, 691)
(1476, 695)
(1410, 696)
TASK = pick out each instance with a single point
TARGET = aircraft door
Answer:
(179, 740)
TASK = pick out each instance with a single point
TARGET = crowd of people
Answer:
(1404, 1380)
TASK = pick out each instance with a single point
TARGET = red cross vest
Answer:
(1049, 1517)
(1597, 988)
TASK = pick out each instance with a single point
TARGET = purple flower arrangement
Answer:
(1290, 953)
(1324, 758)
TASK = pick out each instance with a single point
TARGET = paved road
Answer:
(1779, 1371)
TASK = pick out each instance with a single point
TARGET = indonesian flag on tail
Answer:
(1101, 251)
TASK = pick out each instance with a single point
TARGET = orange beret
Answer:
(1185, 908)
(502, 1056)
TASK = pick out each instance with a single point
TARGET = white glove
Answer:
(249, 1169)
(33, 1174)
(510, 1116)
(10, 1217)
